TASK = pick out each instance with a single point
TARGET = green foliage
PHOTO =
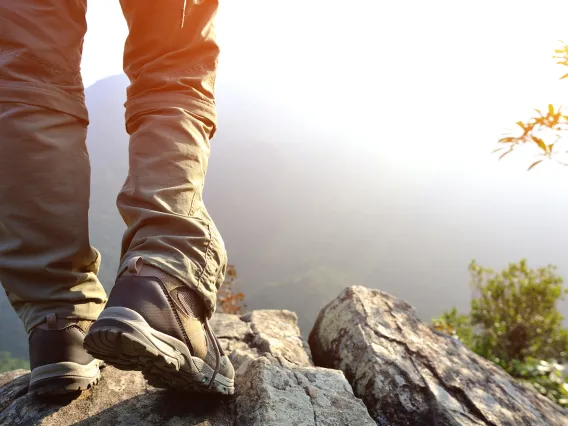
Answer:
(547, 378)
(514, 322)
(7, 363)
(456, 325)
(515, 313)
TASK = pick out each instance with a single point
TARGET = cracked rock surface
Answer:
(409, 375)
(276, 384)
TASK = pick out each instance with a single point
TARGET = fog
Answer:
(354, 146)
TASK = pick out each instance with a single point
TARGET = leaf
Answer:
(539, 142)
(565, 75)
(505, 153)
(497, 150)
(550, 109)
(507, 139)
(534, 164)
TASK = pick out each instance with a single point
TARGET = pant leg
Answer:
(171, 58)
(46, 261)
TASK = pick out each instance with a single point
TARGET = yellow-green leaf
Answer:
(534, 164)
(539, 142)
(551, 108)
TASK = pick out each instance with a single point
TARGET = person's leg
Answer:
(170, 116)
(47, 265)
(173, 258)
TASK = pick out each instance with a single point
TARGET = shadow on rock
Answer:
(167, 407)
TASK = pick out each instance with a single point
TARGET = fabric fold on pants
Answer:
(47, 264)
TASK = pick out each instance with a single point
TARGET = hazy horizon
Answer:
(354, 145)
(422, 89)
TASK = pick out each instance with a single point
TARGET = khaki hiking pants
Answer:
(47, 263)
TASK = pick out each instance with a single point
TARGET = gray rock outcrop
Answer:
(378, 365)
(408, 374)
(276, 383)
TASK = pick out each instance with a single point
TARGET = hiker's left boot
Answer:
(59, 363)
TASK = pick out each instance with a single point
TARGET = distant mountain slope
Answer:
(277, 204)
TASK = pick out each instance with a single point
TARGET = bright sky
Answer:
(429, 83)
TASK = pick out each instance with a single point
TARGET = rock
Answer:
(276, 384)
(264, 331)
(408, 374)
(273, 395)
(11, 375)
(18, 385)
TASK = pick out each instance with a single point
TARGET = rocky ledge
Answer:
(407, 374)
(377, 364)
(276, 381)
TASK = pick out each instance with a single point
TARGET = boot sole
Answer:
(64, 378)
(122, 338)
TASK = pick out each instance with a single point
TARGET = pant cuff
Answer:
(144, 103)
(34, 314)
(44, 96)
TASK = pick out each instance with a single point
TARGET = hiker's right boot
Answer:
(156, 324)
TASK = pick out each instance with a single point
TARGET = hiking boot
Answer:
(156, 324)
(58, 360)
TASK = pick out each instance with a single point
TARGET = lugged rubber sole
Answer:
(64, 378)
(122, 338)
